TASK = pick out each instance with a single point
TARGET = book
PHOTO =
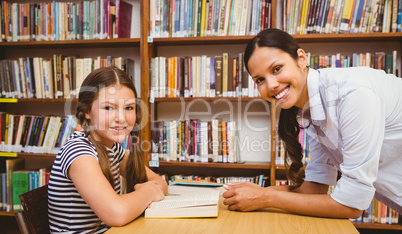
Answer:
(20, 186)
(218, 76)
(346, 15)
(189, 203)
(11, 166)
(123, 19)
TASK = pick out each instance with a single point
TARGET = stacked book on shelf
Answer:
(58, 77)
(35, 134)
(17, 180)
(53, 21)
(378, 212)
(261, 180)
(195, 141)
(201, 76)
(377, 60)
(281, 152)
(338, 16)
(200, 18)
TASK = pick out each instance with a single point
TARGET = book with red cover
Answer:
(123, 19)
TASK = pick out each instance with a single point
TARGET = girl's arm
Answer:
(309, 199)
(111, 208)
(154, 177)
(151, 175)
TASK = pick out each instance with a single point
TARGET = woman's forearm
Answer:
(310, 204)
(310, 199)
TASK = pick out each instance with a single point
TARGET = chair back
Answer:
(35, 207)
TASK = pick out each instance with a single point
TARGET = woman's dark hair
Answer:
(288, 126)
(96, 80)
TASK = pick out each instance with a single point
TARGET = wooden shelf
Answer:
(246, 165)
(282, 167)
(208, 99)
(306, 38)
(121, 42)
(348, 37)
(30, 155)
(380, 226)
(5, 213)
(36, 100)
(201, 40)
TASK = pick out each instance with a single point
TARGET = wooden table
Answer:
(261, 221)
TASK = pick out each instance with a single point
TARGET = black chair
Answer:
(34, 218)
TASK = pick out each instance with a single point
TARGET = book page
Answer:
(198, 198)
(185, 189)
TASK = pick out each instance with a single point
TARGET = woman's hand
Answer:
(245, 196)
(152, 188)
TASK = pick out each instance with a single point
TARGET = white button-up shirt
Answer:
(356, 127)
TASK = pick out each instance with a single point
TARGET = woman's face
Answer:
(280, 77)
(112, 115)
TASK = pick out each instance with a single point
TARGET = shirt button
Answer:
(324, 128)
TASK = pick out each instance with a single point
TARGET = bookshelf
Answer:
(315, 43)
(141, 49)
(121, 47)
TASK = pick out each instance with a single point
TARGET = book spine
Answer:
(218, 75)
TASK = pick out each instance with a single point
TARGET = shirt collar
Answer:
(316, 106)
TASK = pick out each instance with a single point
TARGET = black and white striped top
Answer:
(68, 212)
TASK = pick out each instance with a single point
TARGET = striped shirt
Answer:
(68, 212)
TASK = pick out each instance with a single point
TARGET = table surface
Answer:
(260, 221)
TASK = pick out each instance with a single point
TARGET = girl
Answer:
(354, 119)
(84, 187)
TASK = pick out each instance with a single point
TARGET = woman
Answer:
(84, 187)
(354, 119)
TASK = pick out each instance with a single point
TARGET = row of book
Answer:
(58, 77)
(199, 18)
(45, 21)
(377, 60)
(338, 16)
(195, 141)
(201, 76)
(378, 212)
(35, 134)
(262, 180)
(16, 180)
(281, 152)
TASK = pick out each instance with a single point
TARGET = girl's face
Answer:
(280, 77)
(112, 115)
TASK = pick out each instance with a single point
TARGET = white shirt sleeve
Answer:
(361, 125)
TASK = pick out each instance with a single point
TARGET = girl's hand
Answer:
(244, 196)
(152, 188)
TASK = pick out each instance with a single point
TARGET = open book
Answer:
(196, 203)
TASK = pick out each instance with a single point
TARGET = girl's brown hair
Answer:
(288, 126)
(97, 79)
